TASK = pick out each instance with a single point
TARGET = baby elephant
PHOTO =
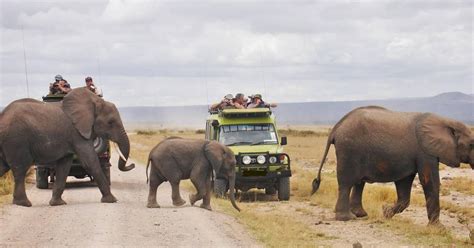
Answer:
(175, 159)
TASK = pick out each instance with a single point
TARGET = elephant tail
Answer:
(147, 165)
(317, 180)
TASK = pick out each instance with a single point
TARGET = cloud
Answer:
(177, 52)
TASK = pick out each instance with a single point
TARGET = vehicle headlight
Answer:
(272, 160)
(246, 160)
(261, 159)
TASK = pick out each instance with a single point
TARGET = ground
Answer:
(88, 223)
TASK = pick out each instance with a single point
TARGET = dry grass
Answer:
(6, 187)
(461, 184)
(424, 236)
(6, 184)
(274, 228)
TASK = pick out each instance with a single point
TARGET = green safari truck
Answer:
(252, 135)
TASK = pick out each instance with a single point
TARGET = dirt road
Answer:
(87, 222)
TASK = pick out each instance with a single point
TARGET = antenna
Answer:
(24, 59)
(98, 63)
(263, 71)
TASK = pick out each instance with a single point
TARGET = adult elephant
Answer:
(50, 133)
(175, 159)
(374, 144)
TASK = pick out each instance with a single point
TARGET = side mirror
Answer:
(215, 123)
(283, 141)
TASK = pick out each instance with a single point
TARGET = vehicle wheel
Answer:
(220, 187)
(100, 145)
(106, 170)
(270, 191)
(284, 189)
(41, 178)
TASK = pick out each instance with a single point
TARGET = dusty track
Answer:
(87, 222)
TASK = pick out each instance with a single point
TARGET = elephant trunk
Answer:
(232, 192)
(124, 149)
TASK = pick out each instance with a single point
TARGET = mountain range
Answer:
(456, 105)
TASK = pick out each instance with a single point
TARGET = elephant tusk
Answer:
(119, 152)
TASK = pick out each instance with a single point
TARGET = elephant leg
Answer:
(175, 195)
(201, 177)
(19, 192)
(403, 197)
(356, 200)
(343, 212)
(429, 178)
(155, 181)
(203, 189)
(91, 162)
(63, 167)
(206, 202)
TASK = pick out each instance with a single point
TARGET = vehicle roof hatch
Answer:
(245, 113)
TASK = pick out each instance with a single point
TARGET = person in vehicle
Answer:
(225, 103)
(63, 87)
(240, 101)
(257, 102)
(91, 86)
(53, 87)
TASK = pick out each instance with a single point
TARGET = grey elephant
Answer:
(374, 144)
(175, 159)
(50, 133)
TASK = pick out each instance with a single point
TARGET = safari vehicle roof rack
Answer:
(245, 113)
(53, 98)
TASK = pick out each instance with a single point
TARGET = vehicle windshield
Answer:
(247, 134)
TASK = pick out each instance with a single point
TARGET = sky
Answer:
(164, 53)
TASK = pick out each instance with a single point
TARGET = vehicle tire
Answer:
(220, 187)
(270, 191)
(41, 178)
(106, 170)
(284, 189)
(100, 145)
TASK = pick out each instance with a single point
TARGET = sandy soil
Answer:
(86, 222)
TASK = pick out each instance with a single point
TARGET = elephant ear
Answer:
(214, 152)
(80, 106)
(438, 137)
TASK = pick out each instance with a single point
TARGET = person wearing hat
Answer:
(240, 101)
(257, 102)
(91, 86)
(225, 103)
(54, 87)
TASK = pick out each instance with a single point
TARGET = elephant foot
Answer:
(192, 199)
(57, 202)
(436, 223)
(108, 199)
(345, 216)
(387, 211)
(208, 207)
(359, 212)
(179, 202)
(153, 205)
(22, 202)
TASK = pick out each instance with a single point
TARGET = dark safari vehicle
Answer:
(253, 137)
(101, 146)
